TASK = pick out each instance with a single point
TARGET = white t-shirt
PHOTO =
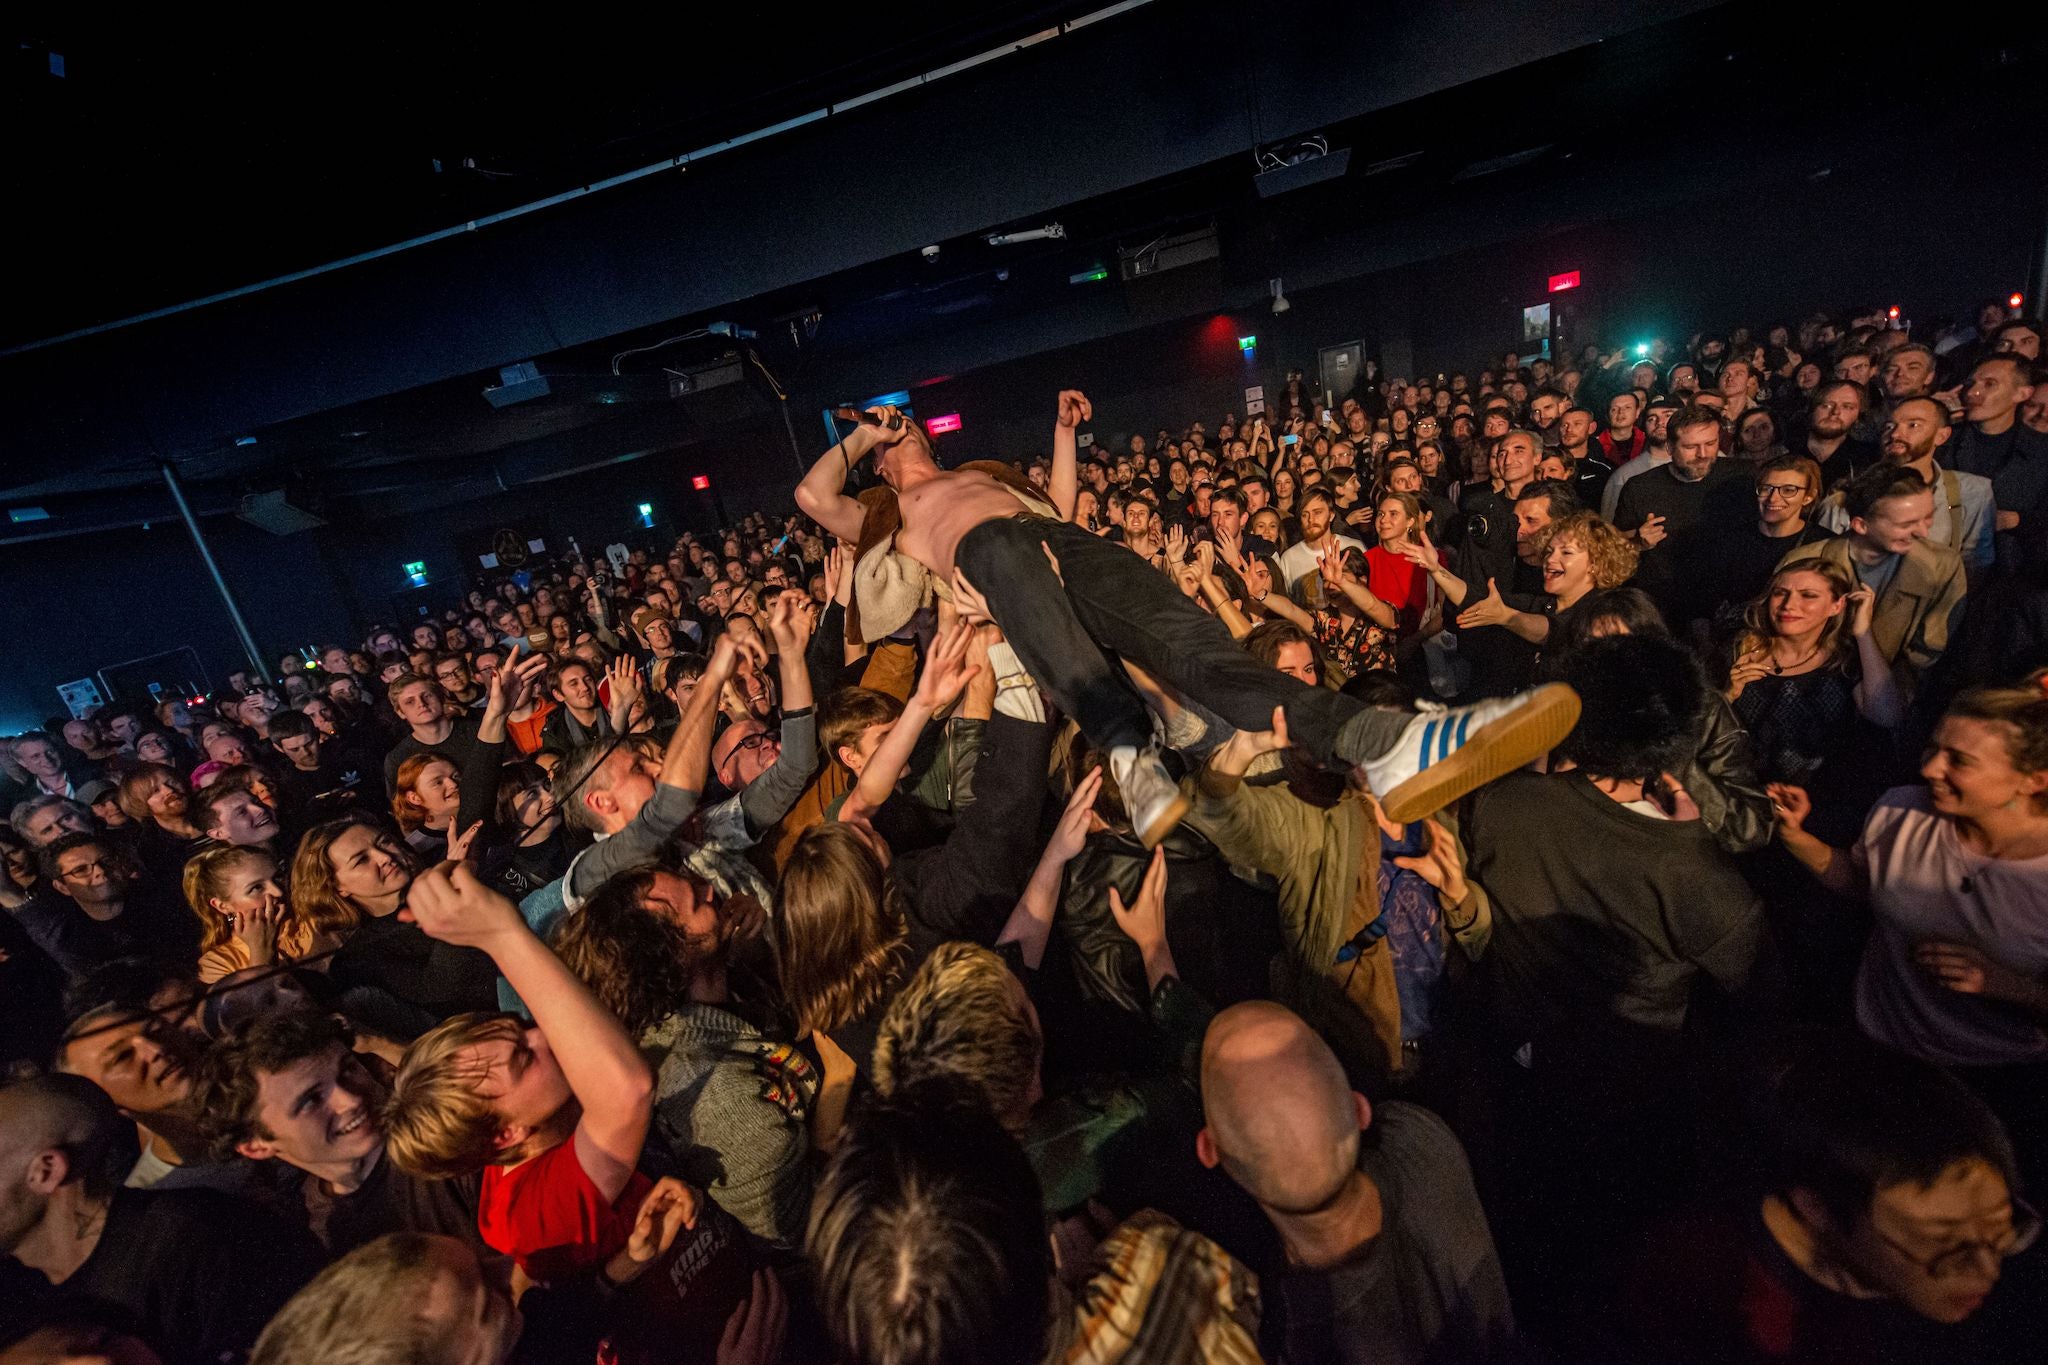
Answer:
(1297, 561)
(1924, 884)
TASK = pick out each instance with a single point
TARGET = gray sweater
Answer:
(734, 1106)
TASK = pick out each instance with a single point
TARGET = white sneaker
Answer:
(1442, 756)
(1151, 796)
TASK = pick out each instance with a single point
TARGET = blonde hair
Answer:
(960, 1018)
(1756, 617)
(1611, 556)
(369, 1306)
(206, 879)
(843, 932)
(436, 1125)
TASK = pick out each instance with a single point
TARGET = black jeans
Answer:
(1114, 601)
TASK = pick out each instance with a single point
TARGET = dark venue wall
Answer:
(1440, 285)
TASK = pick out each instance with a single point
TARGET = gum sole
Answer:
(1500, 746)
(1168, 818)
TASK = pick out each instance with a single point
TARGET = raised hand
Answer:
(1419, 550)
(459, 842)
(1331, 563)
(726, 655)
(1249, 744)
(669, 1207)
(1490, 610)
(946, 669)
(1753, 663)
(1144, 919)
(1076, 820)
(968, 601)
(1862, 604)
(1176, 544)
(256, 930)
(1441, 863)
(450, 904)
(1230, 549)
(789, 623)
(1792, 804)
(1075, 408)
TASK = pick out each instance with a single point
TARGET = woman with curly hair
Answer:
(244, 919)
(1581, 554)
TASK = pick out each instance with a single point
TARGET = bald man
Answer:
(1388, 1253)
(197, 1272)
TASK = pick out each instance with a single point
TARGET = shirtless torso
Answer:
(940, 509)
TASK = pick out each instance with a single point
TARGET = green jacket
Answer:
(1318, 857)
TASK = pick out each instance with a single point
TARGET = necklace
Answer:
(1778, 669)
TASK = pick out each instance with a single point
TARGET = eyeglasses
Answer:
(1775, 491)
(1963, 1257)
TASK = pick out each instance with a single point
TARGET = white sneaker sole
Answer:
(1500, 746)
(1163, 823)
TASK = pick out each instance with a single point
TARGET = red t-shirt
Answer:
(549, 1216)
(1400, 583)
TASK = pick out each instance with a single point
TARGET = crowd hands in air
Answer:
(1545, 861)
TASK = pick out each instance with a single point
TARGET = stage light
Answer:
(646, 509)
(1089, 276)
(416, 573)
(2016, 300)
(1247, 343)
(1642, 348)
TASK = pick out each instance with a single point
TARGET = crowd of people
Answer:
(1542, 862)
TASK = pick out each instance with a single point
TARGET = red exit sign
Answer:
(700, 482)
(938, 426)
(1568, 280)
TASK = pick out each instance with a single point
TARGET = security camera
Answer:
(931, 253)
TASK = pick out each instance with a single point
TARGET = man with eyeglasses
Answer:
(453, 673)
(1888, 1206)
(97, 908)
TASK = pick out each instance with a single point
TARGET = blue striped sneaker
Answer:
(1441, 755)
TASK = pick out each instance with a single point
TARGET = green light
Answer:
(1247, 343)
(1089, 276)
(646, 509)
(416, 569)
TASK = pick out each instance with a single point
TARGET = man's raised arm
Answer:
(822, 494)
(1065, 483)
(601, 1063)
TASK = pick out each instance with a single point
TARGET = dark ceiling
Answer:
(273, 163)
(187, 160)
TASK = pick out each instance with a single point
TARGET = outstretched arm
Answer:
(945, 677)
(1030, 924)
(600, 1061)
(821, 495)
(1065, 483)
